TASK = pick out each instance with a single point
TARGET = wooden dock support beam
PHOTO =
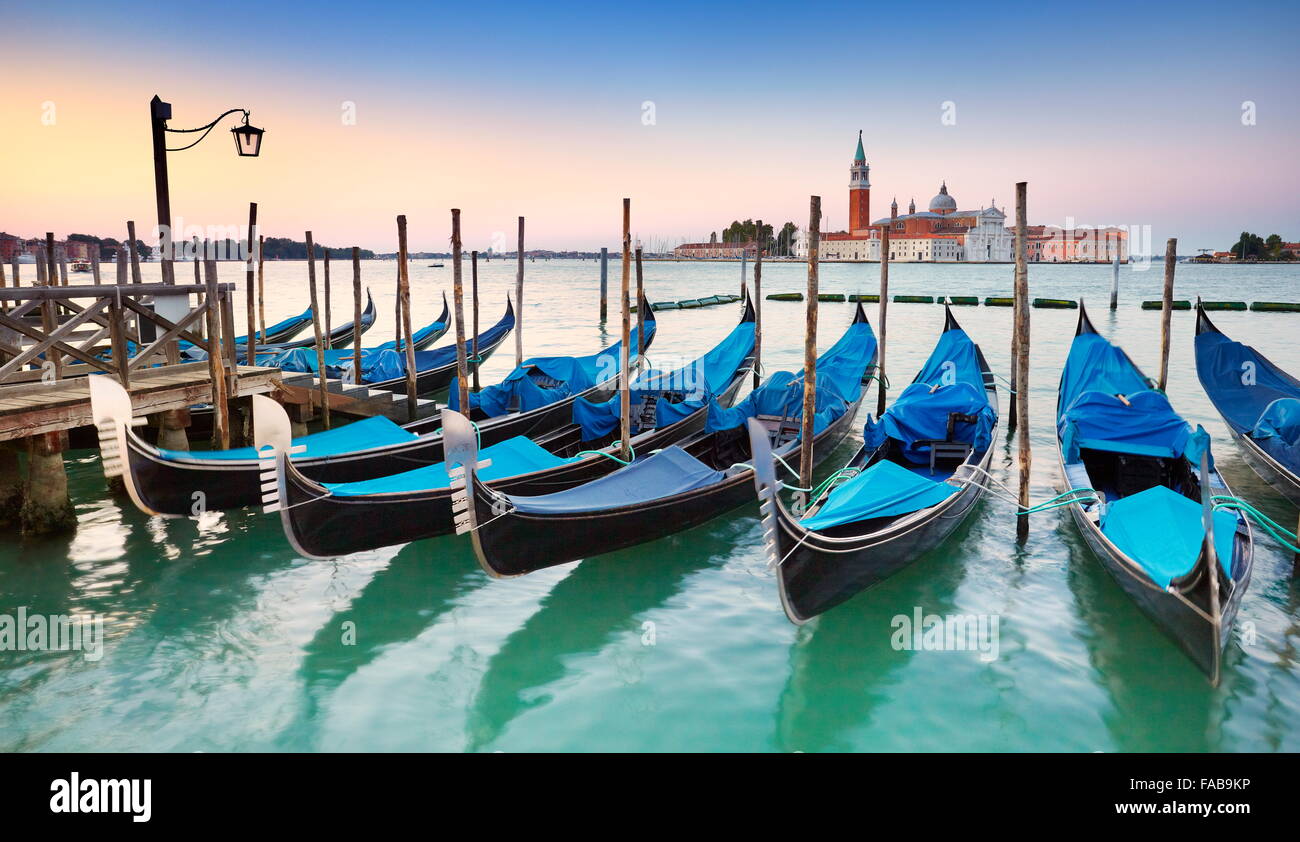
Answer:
(1021, 360)
(11, 485)
(810, 350)
(46, 507)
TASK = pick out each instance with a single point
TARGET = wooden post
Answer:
(94, 263)
(604, 282)
(261, 288)
(640, 309)
(315, 324)
(404, 297)
(249, 281)
(1167, 309)
(40, 265)
(120, 263)
(49, 315)
(134, 252)
(1022, 358)
(63, 266)
(519, 302)
(1013, 399)
(329, 335)
(13, 266)
(1114, 282)
(881, 396)
(216, 366)
(458, 301)
(356, 314)
(758, 310)
(625, 383)
(473, 268)
(47, 507)
(117, 340)
(744, 271)
(810, 348)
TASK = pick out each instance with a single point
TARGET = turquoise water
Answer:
(218, 637)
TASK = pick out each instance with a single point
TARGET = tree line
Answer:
(780, 245)
(1250, 245)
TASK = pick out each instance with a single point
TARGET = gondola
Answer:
(329, 520)
(166, 482)
(281, 331)
(304, 359)
(921, 469)
(706, 475)
(1259, 402)
(339, 337)
(1145, 509)
(434, 370)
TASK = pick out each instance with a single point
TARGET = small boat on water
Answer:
(1141, 484)
(79, 266)
(165, 481)
(329, 520)
(920, 471)
(435, 265)
(1259, 402)
(699, 478)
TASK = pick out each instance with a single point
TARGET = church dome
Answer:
(943, 203)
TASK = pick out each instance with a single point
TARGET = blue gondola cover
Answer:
(391, 364)
(666, 473)
(1256, 398)
(1170, 550)
(512, 457)
(885, 489)
(359, 435)
(542, 381)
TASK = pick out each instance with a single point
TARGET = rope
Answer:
(1010, 386)
(612, 445)
(1272, 527)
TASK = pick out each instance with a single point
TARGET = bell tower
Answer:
(859, 191)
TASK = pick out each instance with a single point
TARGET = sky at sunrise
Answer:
(1180, 116)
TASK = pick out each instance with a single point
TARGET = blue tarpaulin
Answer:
(542, 381)
(512, 457)
(304, 359)
(669, 472)
(885, 489)
(391, 365)
(951, 381)
(690, 386)
(1163, 531)
(359, 435)
(1255, 397)
(839, 383)
(1094, 416)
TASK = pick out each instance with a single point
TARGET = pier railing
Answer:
(102, 328)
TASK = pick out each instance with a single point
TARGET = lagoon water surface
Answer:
(218, 637)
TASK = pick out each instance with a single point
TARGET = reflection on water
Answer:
(219, 638)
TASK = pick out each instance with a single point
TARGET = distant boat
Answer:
(435, 265)
(80, 266)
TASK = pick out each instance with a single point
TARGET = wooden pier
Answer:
(54, 337)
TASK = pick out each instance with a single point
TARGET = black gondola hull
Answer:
(816, 574)
(323, 525)
(517, 543)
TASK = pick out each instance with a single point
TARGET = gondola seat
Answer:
(669, 472)
(1171, 550)
(359, 435)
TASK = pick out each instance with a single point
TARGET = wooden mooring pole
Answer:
(1021, 360)
(624, 381)
(757, 301)
(640, 308)
(519, 301)
(134, 251)
(216, 364)
(458, 300)
(1114, 283)
(404, 298)
(49, 315)
(810, 350)
(356, 314)
(604, 283)
(316, 328)
(1167, 308)
(261, 287)
(473, 274)
(249, 283)
(881, 396)
(329, 336)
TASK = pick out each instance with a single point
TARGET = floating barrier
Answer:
(865, 299)
(914, 299)
(664, 305)
(1181, 304)
(1224, 305)
(969, 300)
(688, 304)
(785, 296)
(1275, 307)
(999, 301)
(1056, 303)
(830, 296)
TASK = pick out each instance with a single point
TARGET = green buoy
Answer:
(785, 296)
(999, 301)
(914, 299)
(1056, 303)
(1224, 305)
(1275, 307)
(1181, 304)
